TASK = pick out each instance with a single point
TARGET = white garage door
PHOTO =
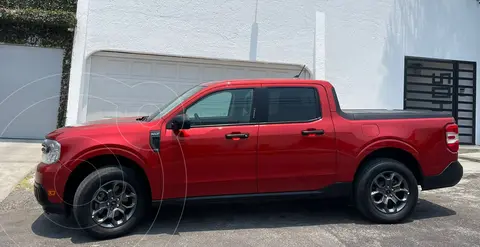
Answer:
(136, 85)
(29, 90)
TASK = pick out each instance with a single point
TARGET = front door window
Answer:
(223, 107)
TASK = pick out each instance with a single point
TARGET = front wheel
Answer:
(109, 202)
(386, 191)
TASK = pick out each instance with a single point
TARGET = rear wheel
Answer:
(109, 202)
(386, 191)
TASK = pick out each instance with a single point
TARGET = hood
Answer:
(111, 121)
(103, 123)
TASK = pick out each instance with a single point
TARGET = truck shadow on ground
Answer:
(231, 216)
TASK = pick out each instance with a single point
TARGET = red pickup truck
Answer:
(244, 139)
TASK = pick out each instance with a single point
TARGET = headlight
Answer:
(50, 151)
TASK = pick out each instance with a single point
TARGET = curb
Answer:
(12, 188)
(469, 158)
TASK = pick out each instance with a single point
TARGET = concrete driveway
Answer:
(446, 217)
(17, 159)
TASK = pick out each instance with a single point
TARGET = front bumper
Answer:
(42, 199)
(448, 178)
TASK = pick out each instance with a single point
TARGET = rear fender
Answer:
(386, 143)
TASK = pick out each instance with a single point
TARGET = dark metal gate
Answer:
(443, 85)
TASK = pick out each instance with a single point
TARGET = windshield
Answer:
(174, 103)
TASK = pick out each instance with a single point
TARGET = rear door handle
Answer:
(237, 136)
(312, 132)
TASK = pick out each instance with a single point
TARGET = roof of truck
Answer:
(265, 81)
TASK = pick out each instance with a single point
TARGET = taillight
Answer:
(453, 141)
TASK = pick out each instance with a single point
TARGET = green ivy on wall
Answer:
(38, 16)
(42, 23)
(60, 5)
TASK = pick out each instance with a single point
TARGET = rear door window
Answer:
(293, 104)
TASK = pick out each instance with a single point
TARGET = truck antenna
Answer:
(298, 76)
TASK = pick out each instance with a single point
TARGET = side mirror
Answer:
(180, 122)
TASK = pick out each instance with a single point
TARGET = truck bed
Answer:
(373, 114)
(378, 114)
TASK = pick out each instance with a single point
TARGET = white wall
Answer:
(211, 28)
(365, 40)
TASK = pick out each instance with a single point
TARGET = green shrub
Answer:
(38, 16)
(64, 5)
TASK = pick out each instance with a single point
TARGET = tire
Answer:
(115, 177)
(370, 180)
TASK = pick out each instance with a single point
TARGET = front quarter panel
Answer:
(79, 145)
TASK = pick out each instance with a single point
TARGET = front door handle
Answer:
(312, 132)
(237, 136)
